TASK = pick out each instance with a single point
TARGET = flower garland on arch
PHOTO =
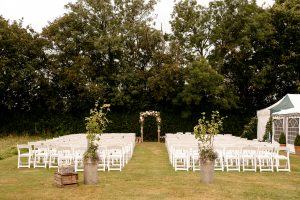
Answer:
(155, 114)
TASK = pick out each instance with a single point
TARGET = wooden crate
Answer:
(62, 180)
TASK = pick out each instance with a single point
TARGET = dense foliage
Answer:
(232, 56)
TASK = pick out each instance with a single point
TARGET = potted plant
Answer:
(205, 131)
(297, 145)
(96, 124)
(282, 139)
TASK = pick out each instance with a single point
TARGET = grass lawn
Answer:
(8, 144)
(149, 175)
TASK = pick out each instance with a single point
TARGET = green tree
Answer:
(165, 82)
(283, 51)
(240, 34)
(205, 87)
(191, 28)
(104, 48)
(23, 66)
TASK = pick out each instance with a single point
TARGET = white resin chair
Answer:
(265, 156)
(248, 158)
(102, 151)
(232, 158)
(65, 155)
(114, 158)
(53, 157)
(219, 163)
(24, 153)
(282, 154)
(40, 156)
(195, 157)
(181, 158)
(78, 158)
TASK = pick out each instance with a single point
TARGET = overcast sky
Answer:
(38, 13)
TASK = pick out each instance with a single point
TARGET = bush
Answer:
(297, 140)
(282, 139)
(250, 129)
(48, 125)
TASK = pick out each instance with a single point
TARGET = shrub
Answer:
(282, 139)
(250, 129)
(297, 140)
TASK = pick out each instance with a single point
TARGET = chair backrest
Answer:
(114, 149)
(23, 148)
(264, 150)
(282, 151)
(79, 151)
(249, 150)
(38, 149)
(232, 151)
(64, 151)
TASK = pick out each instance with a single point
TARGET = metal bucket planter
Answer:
(207, 171)
(90, 172)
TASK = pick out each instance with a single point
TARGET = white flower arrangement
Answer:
(155, 114)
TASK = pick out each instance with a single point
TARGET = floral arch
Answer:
(155, 114)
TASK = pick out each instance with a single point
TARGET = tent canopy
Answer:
(290, 103)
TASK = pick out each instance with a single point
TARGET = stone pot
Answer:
(207, 170)
(297, 150)
(90, 172)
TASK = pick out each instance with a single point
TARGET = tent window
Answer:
(293, 129)
(278, 128)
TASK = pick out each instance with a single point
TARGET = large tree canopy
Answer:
(105, 48)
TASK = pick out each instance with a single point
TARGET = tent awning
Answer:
(294, 111)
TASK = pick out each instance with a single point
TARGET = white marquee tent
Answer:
(286, 115)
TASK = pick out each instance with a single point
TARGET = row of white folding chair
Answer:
(127, 148)
(38, 155)
(43, 155)
(53, 155)
(110, 158)
(236, 157)
(37, 158)
(114, 156)
(183, 156)
(249, 157)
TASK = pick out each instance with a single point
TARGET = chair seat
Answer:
(25, 155)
